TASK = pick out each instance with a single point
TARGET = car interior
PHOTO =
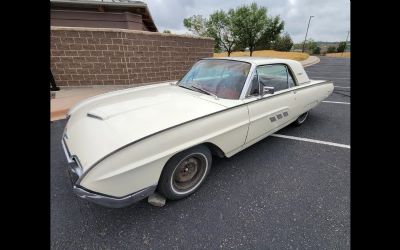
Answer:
(230, 87)
(272, 76)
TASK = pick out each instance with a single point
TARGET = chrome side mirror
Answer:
(265, 89)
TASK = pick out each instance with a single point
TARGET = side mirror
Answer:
(265, 89)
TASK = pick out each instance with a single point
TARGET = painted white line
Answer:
(325, 77)
(347, 103)
(342, 87)
(312, 140)
(337, 72)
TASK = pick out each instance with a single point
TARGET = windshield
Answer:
(223, 78)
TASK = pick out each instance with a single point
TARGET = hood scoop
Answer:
(111, 110)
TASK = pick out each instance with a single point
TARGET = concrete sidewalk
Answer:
(67, 97)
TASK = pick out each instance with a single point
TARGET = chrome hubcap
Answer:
(189, 172)
(303, 117)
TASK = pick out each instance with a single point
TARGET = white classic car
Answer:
(124, 145)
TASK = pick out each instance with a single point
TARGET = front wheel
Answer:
(301, 119)
(185, 172)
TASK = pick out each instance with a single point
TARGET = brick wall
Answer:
(98, 56)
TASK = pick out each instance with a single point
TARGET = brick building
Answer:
(102, 51)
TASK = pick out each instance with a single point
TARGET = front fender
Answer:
(139, 165)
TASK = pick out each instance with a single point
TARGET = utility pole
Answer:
(345, 44)
(304, 43)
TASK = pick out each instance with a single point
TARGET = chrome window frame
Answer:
(244, 94)
(247, 84)
(253, 70)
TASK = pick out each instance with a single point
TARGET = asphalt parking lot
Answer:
(278, 194)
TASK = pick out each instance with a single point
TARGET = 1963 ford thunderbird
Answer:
(124, 145)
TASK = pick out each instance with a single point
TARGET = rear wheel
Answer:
(185, 172)
(301, 119)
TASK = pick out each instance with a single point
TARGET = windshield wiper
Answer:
(183, 86)
(204, 91)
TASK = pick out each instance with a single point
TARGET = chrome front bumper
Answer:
(113, 202)
(75, 171)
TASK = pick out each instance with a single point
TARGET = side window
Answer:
(274, 76)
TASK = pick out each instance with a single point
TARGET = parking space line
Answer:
(311, 140)
(322, 73)
(325, 77)
(347, 103)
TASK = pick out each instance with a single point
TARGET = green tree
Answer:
(331, 49)
(283, 43)
(245, 27)
(219, 27)
(167, 31)
(341, 47)
(271, 34)
(196, 24)
(248, 24)
(316, 50)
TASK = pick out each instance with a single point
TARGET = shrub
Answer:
(310, 46)
(331, 49)
(316, 50)
(341, 47)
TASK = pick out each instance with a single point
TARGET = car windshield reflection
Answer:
(221, 78)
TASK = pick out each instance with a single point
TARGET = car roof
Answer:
(253, 60)
(295, 66)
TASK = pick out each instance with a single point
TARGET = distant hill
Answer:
(323, 45)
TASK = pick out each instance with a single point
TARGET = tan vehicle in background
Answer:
(124, 145)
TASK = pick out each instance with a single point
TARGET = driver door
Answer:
(272, 111)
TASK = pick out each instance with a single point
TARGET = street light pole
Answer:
(304, 43)
(345, 44)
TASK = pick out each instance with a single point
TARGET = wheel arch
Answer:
(215, 150)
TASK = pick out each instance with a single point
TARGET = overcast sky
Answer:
(331, 21)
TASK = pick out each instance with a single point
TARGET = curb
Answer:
(313, 60)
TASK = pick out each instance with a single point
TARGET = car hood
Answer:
(107, 122)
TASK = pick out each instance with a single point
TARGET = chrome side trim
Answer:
(66, 152)
(113, 202)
